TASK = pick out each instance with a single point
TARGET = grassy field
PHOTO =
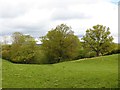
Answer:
(99, 72)
(0, 73)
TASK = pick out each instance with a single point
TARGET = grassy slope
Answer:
(89, 73)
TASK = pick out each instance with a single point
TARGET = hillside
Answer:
(0, 73)
(100, 72)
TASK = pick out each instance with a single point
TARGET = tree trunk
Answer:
(97, 53)
(58, 61)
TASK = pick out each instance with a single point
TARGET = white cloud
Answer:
(36, 17)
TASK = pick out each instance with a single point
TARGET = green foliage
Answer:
(23, 48)
(84, 73)
(115, 50)
(98, 39)
(6, 51)
(60, 44)
(85, 53)
(24, 53)
(40, 57)
(18, 38)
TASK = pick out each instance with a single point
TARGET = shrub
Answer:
(40, 57)
(6, 52)
(23, 54)
(115, 50)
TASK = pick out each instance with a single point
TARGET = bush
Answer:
(85, 53)
(115, 50)
(6, 52)
(92, 54)
(23, 54)
(40, 57)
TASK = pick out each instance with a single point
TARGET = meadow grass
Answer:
(99, 72)
(0, 73)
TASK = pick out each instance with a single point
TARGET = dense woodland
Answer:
(60, 44)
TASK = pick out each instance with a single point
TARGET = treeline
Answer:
(60, 44)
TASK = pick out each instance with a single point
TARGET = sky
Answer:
(37, 17)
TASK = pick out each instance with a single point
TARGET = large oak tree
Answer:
(60, 44)
(98, 39)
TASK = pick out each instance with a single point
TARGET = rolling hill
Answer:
(98, 72)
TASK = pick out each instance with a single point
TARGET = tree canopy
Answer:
(98, 39)
(23, 48)
(60, 43)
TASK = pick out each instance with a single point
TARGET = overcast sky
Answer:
(37, 17)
